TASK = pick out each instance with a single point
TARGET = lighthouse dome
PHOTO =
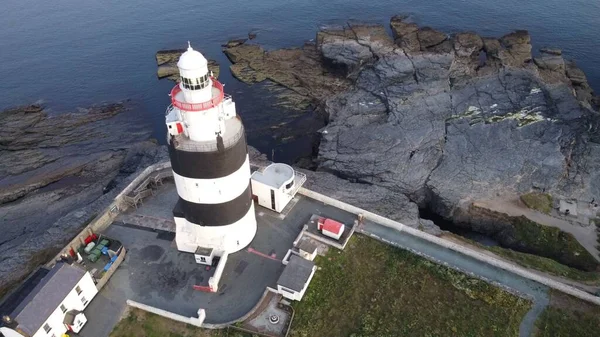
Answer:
(191, 60)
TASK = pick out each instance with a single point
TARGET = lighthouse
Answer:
(214, 214)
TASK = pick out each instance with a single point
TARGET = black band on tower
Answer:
(215, 214)
(208, 165)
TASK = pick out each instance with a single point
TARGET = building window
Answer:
(63, 308)
(78, 290)
(203, 259)
(195, 83)
(47, 328)
(84, 300)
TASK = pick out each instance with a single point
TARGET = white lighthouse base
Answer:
(222, 239)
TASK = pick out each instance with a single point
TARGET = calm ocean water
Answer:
(75, 53)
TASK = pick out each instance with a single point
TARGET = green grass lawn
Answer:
(373, 289)
(139, 323)
(539, 201)
(568, 317)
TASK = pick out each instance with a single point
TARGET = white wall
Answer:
(213, 282)
(196, 321)
(308, 255)
(262, 192)
(214, 191)
(72, 301)
(296, 296)
(202, 126)
(227, 239)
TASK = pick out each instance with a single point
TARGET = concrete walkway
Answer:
(586, 235)
(537, 292)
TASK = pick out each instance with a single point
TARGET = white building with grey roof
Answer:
(56, 304)
(296, 276)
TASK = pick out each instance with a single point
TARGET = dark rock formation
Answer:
(366, 196)
(56, 170)
(167, 63)
(551, 51)
(477, 121)
(445, 120)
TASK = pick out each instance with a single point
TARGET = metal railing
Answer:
(198, 106)
(182, 143)
(299, 179)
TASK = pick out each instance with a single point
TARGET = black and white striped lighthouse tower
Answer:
(209, 157)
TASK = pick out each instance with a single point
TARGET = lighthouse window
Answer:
(195, 83)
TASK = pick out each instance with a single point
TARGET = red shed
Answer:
(331, 228)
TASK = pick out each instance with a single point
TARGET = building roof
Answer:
(12, 301)
(205, 251)
(307, 246)
(191, 60)
(275, 175)
(332, 225)
(35, 309)
(296, 273)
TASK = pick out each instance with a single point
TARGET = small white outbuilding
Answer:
(274, 186)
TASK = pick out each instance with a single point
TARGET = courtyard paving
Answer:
(157, 274)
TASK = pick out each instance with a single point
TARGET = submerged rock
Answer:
(298, 69)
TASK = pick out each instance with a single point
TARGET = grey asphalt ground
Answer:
(156, 274)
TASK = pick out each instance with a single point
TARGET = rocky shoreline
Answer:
(420, 119)
(58, 171)
(441, 120)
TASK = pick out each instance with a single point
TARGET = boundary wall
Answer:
(453, 246)
(105, 219)
(195, 321)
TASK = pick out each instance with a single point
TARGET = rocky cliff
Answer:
(448, 119)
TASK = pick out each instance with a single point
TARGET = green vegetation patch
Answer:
(553, 243)
(373, 289)
(568, 317)
(547, 265)
(539, 201)
(139, 323)
(540, 263)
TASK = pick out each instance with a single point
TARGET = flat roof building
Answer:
(296, 277)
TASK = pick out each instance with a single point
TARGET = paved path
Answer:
(586, 235)
(537, 292)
